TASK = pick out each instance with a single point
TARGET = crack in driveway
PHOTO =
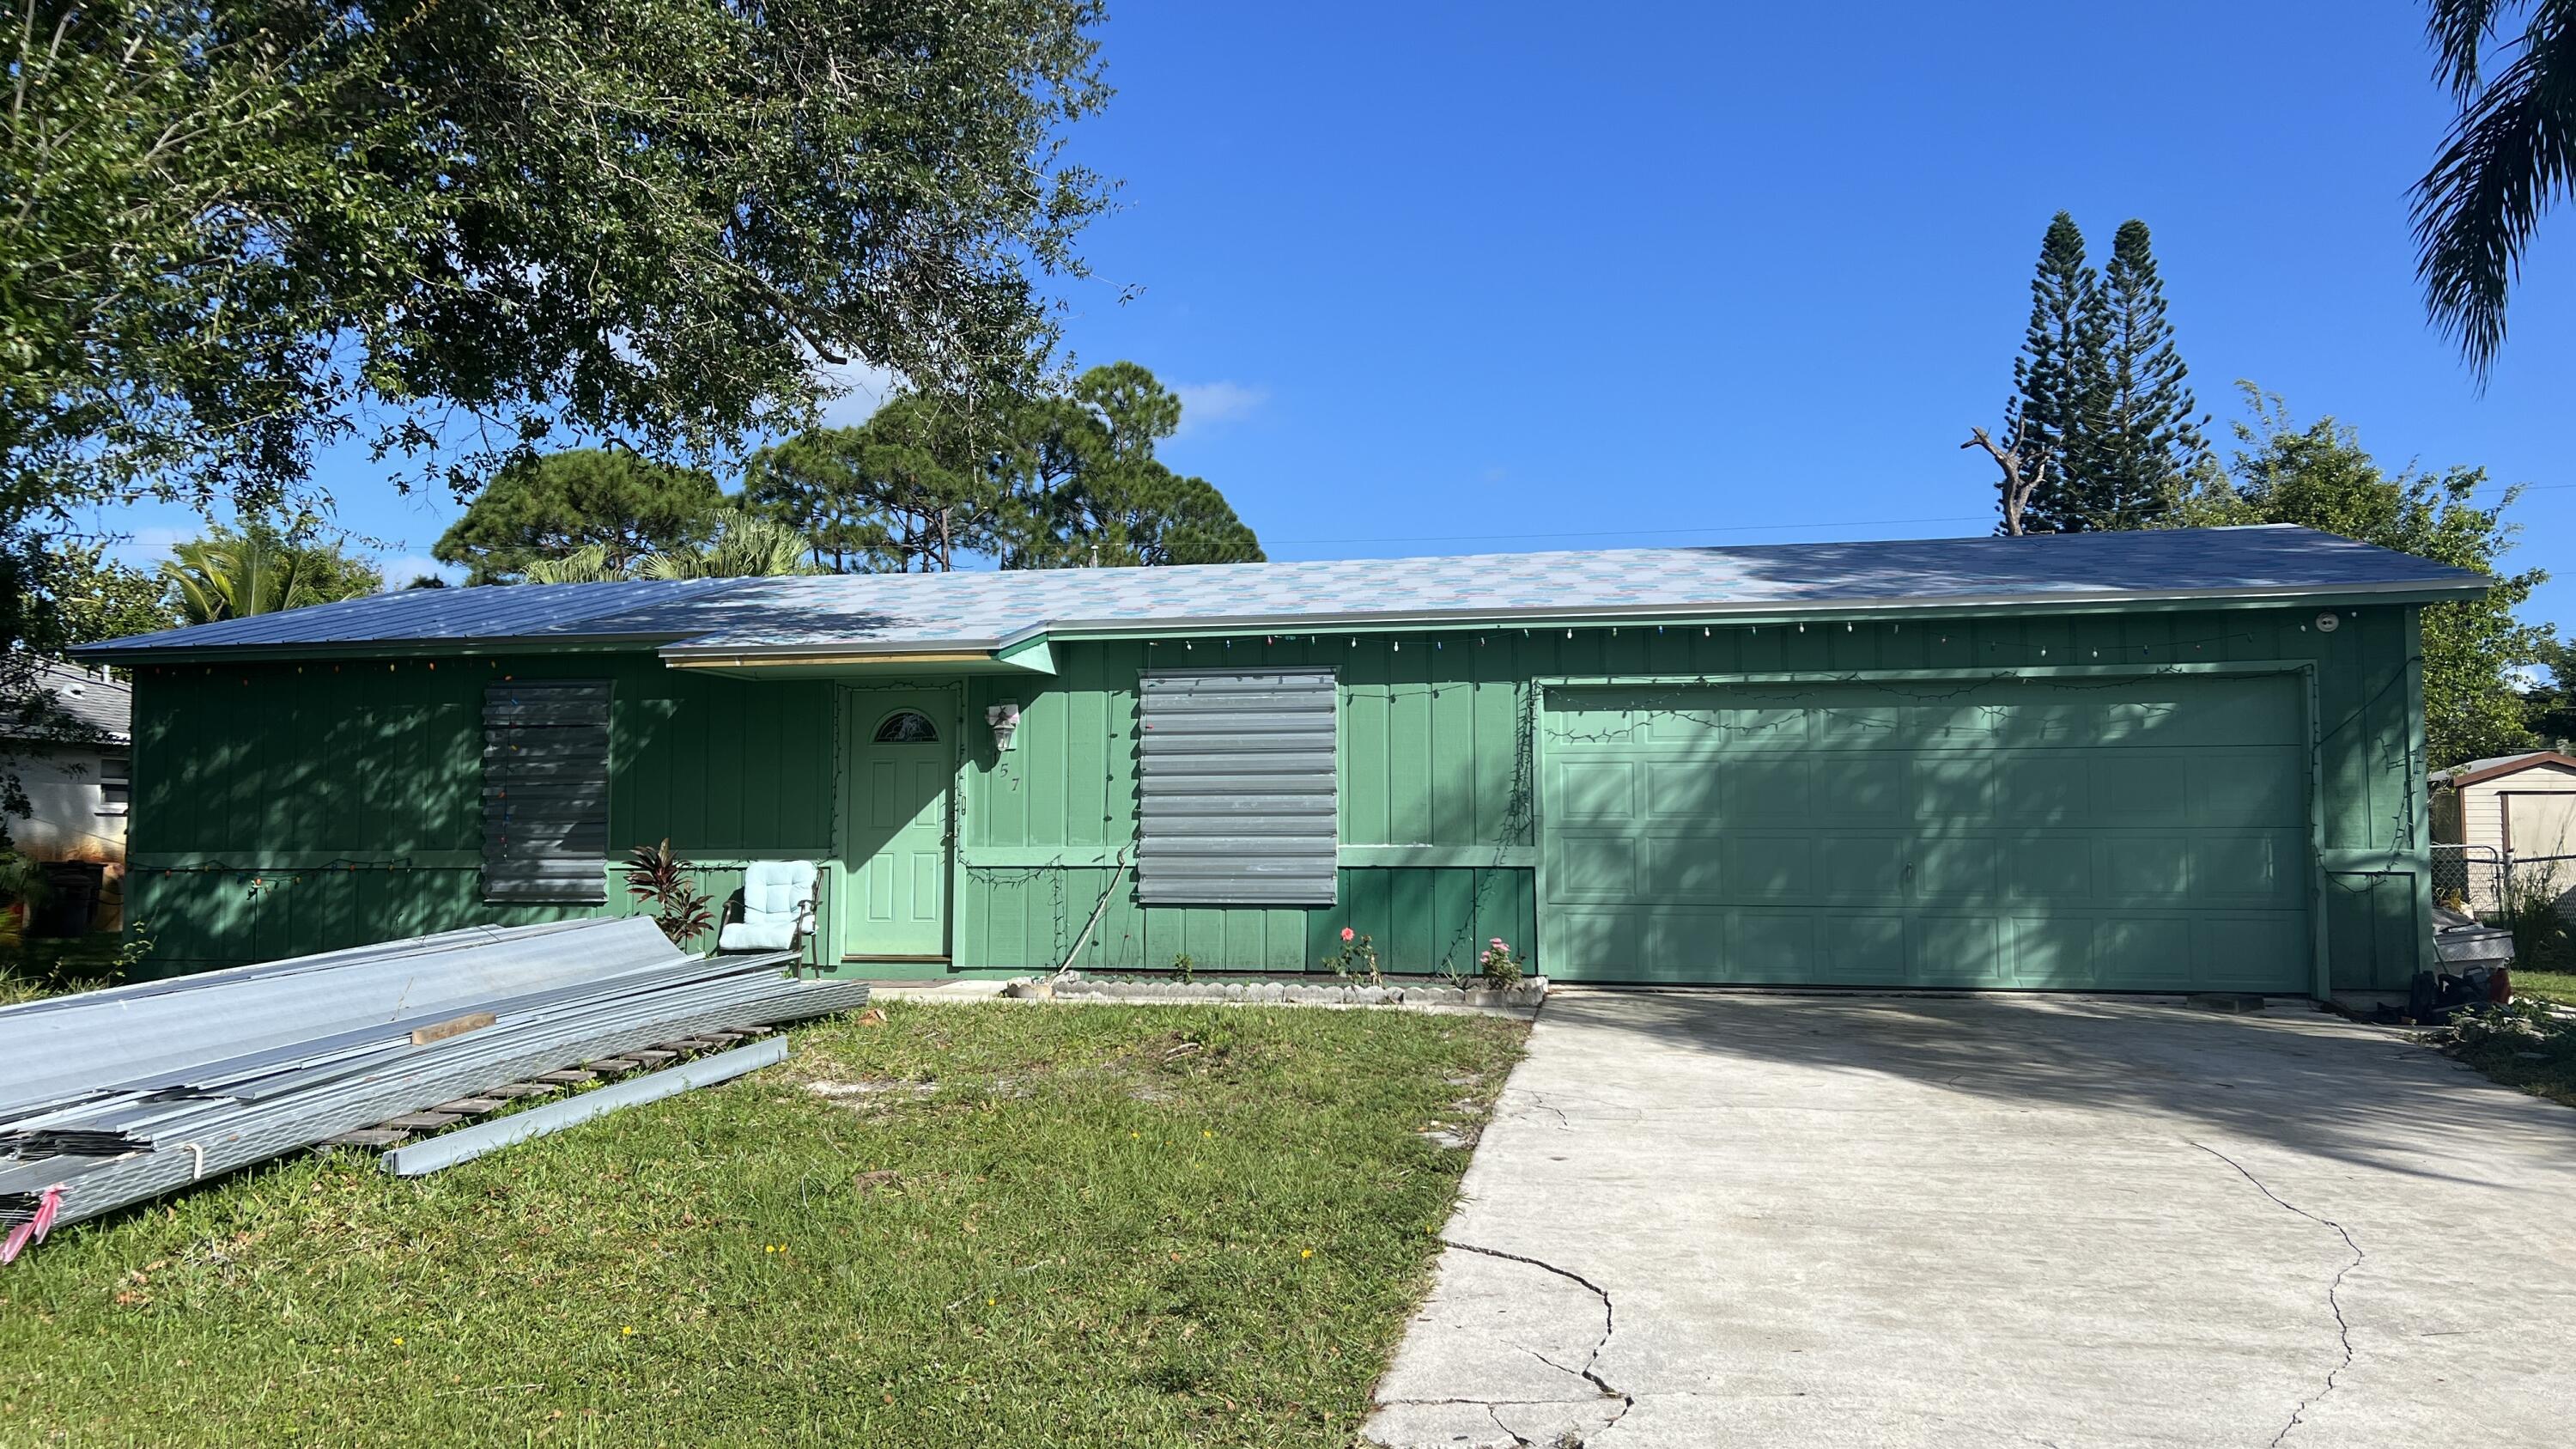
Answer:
(2334, 1288)
(1609, 1326)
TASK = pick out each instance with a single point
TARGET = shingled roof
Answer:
(984, 611)
(74, 705)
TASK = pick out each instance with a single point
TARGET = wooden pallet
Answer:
(397, 1130)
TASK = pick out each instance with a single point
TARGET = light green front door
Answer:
(894, 805)
(2107, 834)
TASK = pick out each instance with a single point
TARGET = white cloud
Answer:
(149, 547)
(1206, 404)
(865, 387)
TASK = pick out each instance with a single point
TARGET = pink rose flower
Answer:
(1346, 933)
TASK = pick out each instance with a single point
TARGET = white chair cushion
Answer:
(777, 896)
(777, 933)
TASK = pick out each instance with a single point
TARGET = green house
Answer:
(2159, 761)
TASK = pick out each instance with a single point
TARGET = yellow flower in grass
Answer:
(628, 1330)
(1306, 1253)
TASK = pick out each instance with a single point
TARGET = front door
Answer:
(894, 800)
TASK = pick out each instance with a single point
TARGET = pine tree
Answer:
(2139, 452)
(2055, 383)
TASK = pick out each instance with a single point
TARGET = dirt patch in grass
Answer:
(1038, 1252)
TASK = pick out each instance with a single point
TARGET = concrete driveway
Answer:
(1709, 1219)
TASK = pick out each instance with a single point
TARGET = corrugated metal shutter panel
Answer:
(545, 792)
(1234, 785)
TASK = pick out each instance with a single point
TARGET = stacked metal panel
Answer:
(112, 1097)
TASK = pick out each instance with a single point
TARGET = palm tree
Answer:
(587, 564)
(2511, 153)
(232, 576)
(746, 545)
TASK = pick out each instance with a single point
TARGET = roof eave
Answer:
(1755, 613)
(2532, 761)
(108, 653)
(679, 648)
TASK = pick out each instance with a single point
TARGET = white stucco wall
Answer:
(69, 822)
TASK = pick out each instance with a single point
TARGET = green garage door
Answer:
(2146, 834)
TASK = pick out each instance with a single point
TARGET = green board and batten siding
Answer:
(284, 807)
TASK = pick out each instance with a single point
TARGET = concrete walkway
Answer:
(1708, 1219)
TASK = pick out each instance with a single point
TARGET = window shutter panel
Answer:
(1235, 788)
(545, 792)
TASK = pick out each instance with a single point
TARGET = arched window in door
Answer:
(907, 727)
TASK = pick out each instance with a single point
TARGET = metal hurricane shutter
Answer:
(2127, 834)
(1235, 788)
(545, 792)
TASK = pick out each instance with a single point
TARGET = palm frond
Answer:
(2512, 152)
(2459, 30)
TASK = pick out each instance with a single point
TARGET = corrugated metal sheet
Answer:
(1235, 788)
(545, 791)
(972, 610)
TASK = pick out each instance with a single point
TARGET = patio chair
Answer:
(777, 907)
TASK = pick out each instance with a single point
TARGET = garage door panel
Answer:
(1598, 943)
(1774, 946)
(2051, 951)
(1765, 787)
(1682, 790)
(2249, 787)
(2149, 868)
(1594, 790)
(2137, 787)
(2145, 834)
(2151, 950)
(1861, 790)
(1595, 865)
(2042, 787)
(1688, 866)
(1737, 729)
(1933, 725)
(1863, 869)
(2057, 867)
(1957, 950)
(1953, 788)
(1960, 868)
(1858, 950)
(2254, 869)
(1768, 866)
(2241, 952)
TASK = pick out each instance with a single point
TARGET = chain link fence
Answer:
(2469, 878)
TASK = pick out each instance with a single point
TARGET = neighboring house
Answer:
(2512, 813)
(70, 754)
(2153, 761)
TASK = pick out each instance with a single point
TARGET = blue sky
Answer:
(1443, 279)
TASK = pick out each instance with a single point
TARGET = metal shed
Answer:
(2511, 817)
(2165, 760)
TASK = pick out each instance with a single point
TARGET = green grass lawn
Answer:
(2557, 986)
(46, 967)
(970, 1225)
